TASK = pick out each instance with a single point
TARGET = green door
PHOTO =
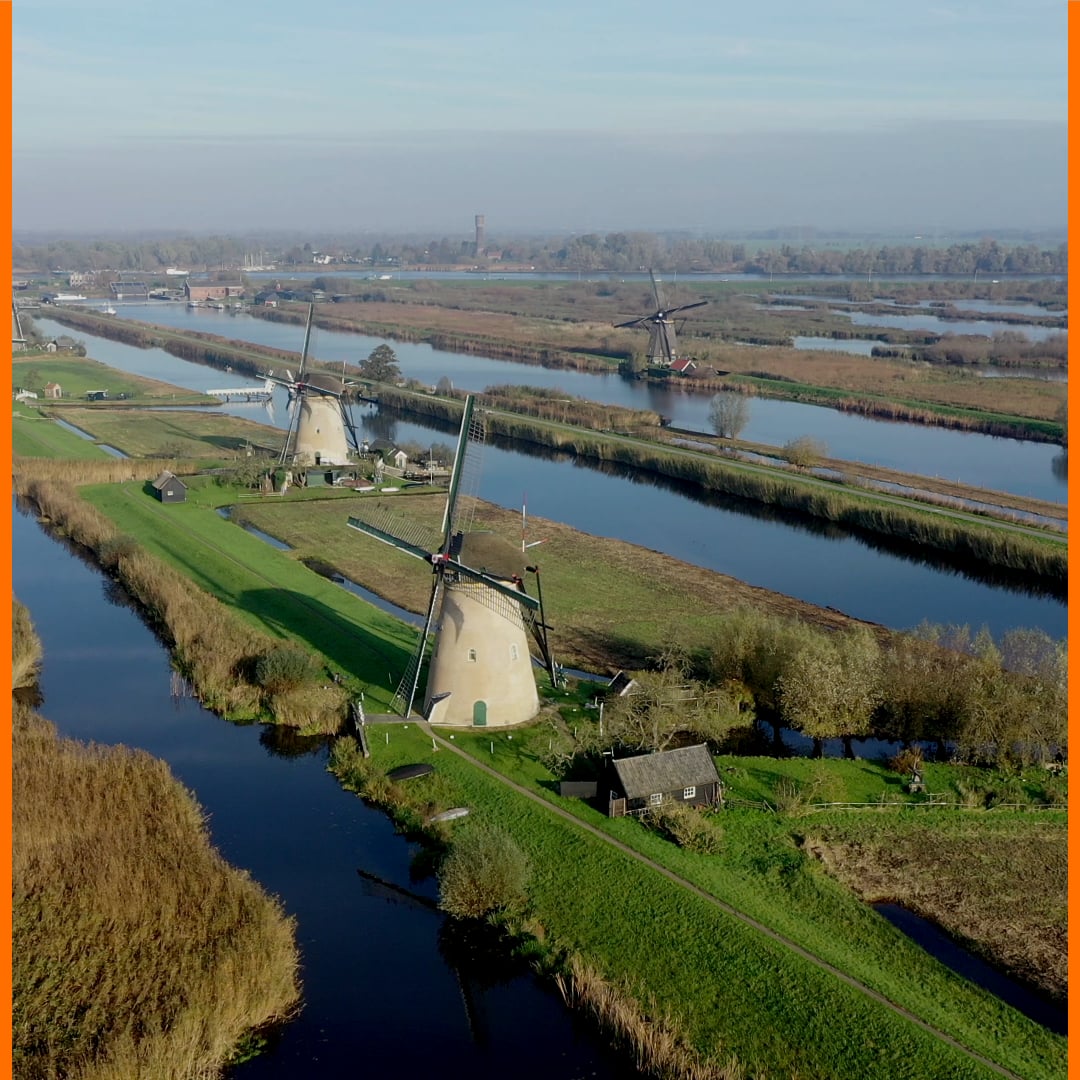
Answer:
(479, 714)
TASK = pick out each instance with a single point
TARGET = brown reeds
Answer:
(137, 950)
(25, 647)
(653, 1038)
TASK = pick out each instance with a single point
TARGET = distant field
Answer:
(77, 375)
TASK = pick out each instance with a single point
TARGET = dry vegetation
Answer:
(653, 1039)
(137, 950)
(999, 889)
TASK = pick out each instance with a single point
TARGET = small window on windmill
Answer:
(513, 652)
(472, 656)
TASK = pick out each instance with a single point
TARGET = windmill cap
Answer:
(490, 553)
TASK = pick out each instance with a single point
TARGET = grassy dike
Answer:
(950, 532)
(729, 989)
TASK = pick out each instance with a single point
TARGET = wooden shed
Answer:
(686, 775)
(170, 489)
(53, 390)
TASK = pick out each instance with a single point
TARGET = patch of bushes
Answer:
(484, 872)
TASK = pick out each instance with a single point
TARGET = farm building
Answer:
(686, 775)
(52, 390)
(169, 488)
(129, 290)
(212, 290)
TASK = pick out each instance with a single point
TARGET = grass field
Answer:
(734, 990)
(185, 433)
(34, 435)
(270, 589)
(77, 375)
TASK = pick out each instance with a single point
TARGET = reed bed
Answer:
(25, 648)
(137, 951)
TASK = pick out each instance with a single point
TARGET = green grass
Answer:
(34, 435)
(269, 588)
(735, 989)
(77, 375)
(180, 433)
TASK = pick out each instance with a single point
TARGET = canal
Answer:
(1012, 465)
(390, 986)
(866, 577)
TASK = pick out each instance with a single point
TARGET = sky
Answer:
(568, 115)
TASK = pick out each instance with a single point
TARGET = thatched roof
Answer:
(669, 770)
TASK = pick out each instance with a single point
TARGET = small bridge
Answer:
(243, 393)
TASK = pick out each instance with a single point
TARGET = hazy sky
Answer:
(592, 114)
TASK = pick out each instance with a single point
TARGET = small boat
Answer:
(448, 815)
(407, 772)
(193, 303)
(108, 309)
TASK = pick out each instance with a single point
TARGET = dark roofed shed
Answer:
(687, 774)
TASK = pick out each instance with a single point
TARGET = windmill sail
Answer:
(479, 611)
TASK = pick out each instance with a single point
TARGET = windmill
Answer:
(320, 428)
(479, 612)
(661, 327)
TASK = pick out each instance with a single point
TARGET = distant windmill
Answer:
(662, 350)
(320, 428)
(480, 671)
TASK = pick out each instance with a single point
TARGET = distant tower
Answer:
(481, 238)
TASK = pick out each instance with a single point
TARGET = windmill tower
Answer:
(662, 348)
(482, 618)
(320, 428)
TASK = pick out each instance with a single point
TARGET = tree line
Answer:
(628, 251)
(977, 699)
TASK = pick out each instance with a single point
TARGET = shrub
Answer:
(25, 647)
(283, 668)
(687, 827)
(805, 451)
(484, 872)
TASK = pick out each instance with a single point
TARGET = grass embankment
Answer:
(137, 950)
(216, 646)
(34, 435)
(728, 988)
(950, 532)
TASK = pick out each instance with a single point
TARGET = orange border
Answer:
(1074, 587)
(5, 525)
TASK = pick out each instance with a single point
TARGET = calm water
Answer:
(1011, 465)
(386, 980)
(984, 327)
(897, 585)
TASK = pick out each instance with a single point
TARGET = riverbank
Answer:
(136, 948)
(731, 989)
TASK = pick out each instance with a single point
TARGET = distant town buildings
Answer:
(212, 290)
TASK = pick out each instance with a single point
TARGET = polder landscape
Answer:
(824, 534)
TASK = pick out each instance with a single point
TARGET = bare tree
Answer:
(729, 413)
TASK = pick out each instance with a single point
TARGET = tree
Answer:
(381, 365)
(830, 687)
(484, 872)
(729, 413)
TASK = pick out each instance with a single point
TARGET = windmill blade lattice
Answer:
(461, 507)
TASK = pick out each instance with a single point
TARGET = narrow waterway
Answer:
(390, 985)
(896, 584)
(1012, 465)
